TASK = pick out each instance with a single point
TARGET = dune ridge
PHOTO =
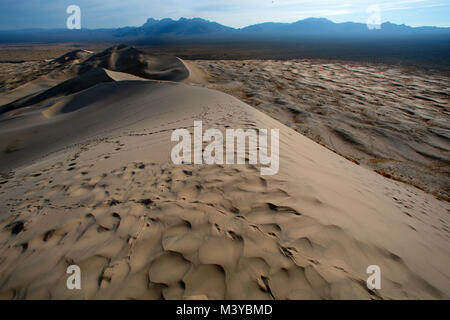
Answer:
(93, 185)
(84, 69)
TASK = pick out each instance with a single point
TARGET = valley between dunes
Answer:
(87, 179)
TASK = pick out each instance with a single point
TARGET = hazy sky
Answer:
(21, 14)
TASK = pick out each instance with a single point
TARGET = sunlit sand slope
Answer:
(89, 181)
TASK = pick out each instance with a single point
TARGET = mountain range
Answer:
(200, 28)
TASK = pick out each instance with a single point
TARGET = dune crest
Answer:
(128, 59)
(86, 69)
(95, 187)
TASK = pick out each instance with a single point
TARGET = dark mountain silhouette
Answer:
(325, 26)
(311, 25)
(168, 26)
(183, 26)
(201, 28)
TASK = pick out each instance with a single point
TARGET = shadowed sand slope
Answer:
(84, 69)
(91, 183)
(73, 85)
(73, 56)
(128, 59)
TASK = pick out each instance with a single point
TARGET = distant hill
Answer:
(181, 27)
(200, 28)
(325, 26)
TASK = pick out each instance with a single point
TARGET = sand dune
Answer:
(38, 85)
(128, 59)
(73, 56)
(105, 196)
(87, 179)
(392, 119)
(80, 69)
(79, 83)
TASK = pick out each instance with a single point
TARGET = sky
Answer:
(23, 14)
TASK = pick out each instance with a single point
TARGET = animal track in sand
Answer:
(151, 232)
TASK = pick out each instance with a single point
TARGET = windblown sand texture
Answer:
(395, 120)
(87, 179)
